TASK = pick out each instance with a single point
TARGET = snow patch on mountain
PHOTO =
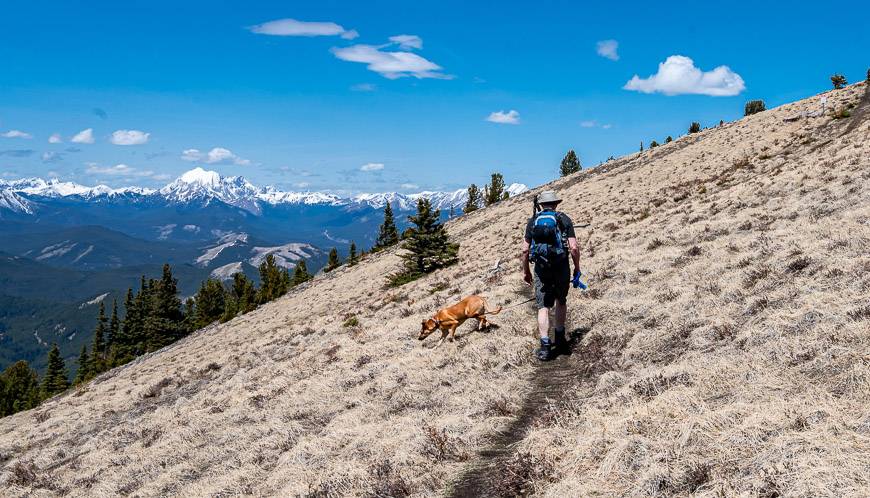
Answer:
(286, 256)
(56, 250)
(225, 242)
(83, 254)
(163, 232)
(93, 301)
(227, 271)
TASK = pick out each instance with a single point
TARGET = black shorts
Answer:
(546, 294)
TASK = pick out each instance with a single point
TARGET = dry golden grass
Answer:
(727, 351)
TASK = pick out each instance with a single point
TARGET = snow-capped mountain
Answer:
(199, 186)
(56, 188)
(11, 201)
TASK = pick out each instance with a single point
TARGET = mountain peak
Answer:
(202, 177)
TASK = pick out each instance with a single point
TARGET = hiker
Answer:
(548, 240)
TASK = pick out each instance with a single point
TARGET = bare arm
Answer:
(575, 252)
(527, 271)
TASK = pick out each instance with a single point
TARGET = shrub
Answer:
(841, 113)
(351, 321)
(695, 127)
(653, 144)
(839, 81)
(754, 107)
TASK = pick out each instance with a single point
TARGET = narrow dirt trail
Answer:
(551, 383)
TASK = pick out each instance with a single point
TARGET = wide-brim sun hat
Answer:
(548, 197)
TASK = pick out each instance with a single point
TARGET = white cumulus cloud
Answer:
(677, 75)
(84, 137)
(129, 137)
(55, 138)
(217, 155)
(608, 49)
(407, 42)
(372, 167)
(17, 134)
(501, 117)
(293, 27)
(391, 64)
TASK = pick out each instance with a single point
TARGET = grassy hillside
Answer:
(722, 349)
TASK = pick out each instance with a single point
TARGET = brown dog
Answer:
(450, 318)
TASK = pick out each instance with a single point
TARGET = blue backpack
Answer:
(547, 249)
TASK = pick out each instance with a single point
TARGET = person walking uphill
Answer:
(548, 241)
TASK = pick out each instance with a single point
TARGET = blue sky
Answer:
(350, 105)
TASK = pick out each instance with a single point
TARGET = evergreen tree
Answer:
(55, 380)
(163, 325)
(452, 212)
(388, 234)
(695, 127)
(653, 144)
(189, 323)
(753, 107)
(427, 246)
(114, 324)
(474, 198)
(333, 261)
(839, 81)
(494, 191)
(210, 303)
(669, 139)
(641, 145)
(19, 388)
(84, 371)
(98, 348)
(123, 343)
(351, 257)
(300, 274)
(274, 282)
(570, 164)
(244, 294)
(506, 195)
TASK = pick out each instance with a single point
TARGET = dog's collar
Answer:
(437, 322)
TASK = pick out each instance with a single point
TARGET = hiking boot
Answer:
(545, 352)
(562, 346)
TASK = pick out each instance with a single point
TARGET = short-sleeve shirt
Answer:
(566, 227)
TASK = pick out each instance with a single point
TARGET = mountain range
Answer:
(100, 240)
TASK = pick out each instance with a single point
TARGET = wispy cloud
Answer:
(17, 152)
(84, 137)
(293, 27)
(409, 186)
(501, 117)
(677, 75)
(608, 49)
(591, 123)
(129, 137)
(391, 64)
(372, 167)
(364, 87)
(55, 138)
(122, 170)
(52, 157)
(407, 42)
(217, 155)
(16, 134)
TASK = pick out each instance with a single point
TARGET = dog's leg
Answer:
(453, 333)
(443, 336)
(481, 323)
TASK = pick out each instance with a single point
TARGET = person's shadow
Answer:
(574, 338)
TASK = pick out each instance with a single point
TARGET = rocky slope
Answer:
(722, 350)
